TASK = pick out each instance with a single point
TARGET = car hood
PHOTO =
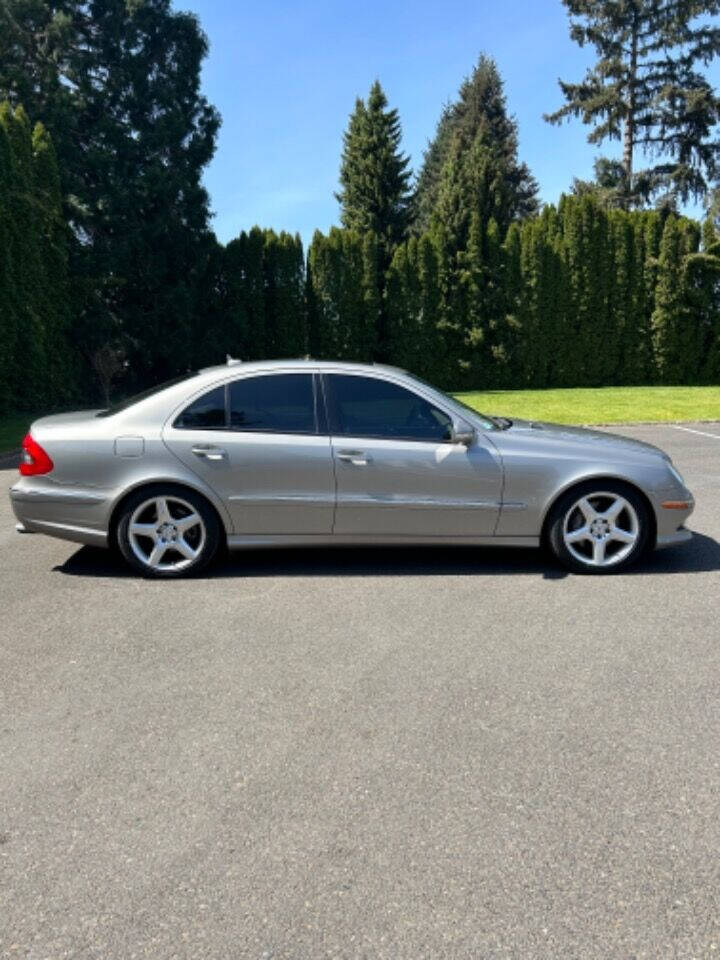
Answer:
(574, 436)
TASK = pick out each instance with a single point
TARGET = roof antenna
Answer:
(231, 361)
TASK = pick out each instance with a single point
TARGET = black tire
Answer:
(204, 537)
(597, 491)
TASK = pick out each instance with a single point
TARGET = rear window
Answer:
(136, 398)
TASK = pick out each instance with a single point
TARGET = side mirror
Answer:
(462, 433)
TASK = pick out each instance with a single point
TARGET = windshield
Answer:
(136, 398)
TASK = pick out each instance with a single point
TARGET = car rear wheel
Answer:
(165, 533)
(599, 528)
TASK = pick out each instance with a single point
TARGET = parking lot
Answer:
(378, 753)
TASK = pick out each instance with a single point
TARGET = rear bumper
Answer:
(67, 513)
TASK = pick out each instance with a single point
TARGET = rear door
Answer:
(397, 471)
(257, 442)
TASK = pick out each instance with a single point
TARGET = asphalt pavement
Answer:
(382, 754)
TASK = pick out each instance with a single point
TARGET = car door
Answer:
(256, 441)
(397, 471)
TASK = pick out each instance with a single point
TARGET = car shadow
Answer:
(701, 555)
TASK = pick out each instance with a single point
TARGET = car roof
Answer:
(300, 363)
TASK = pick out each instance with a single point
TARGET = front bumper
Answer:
(670, 520)
(681, 535)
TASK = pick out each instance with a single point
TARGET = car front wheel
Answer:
(600, 527)
(166, 533)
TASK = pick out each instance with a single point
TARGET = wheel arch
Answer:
(599, 478)
(171, 484)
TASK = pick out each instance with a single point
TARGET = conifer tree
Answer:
(262, 308)
(404, 307)
(622, 304)
(284, 272)
(8, 292)
(116, 84)
(702, 281)
(475, 122)
(593, 359)
(375, 195)
(372, 281)
(337, 295)
(556, 338)
(472, 187)
(233, 337)
(253, 293)
(432, 268)
(60, 362)
(418, 335)
(471, 283)
(511, 330)
(668, 319)
(27, 383)
(646, 89)
(35, 359)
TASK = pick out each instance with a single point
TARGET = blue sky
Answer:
(285, 76)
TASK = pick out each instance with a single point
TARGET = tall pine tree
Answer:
(375, 195)
(646, 89)
(477, 119)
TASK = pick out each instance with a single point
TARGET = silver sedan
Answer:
(302, 452)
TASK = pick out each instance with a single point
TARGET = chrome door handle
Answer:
(358, 457)
(208, 452)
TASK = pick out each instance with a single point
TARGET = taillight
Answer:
(34, 460)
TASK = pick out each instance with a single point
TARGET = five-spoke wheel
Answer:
(599, 528)
(164, 533)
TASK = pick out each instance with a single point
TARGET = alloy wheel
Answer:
(166, 533)
(601, 529)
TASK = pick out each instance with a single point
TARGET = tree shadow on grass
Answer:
(701, 555)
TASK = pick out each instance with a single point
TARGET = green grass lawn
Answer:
(603, 405)
(600, 405)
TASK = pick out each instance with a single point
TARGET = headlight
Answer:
(676, 473)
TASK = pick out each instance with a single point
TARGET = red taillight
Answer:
(34, 460)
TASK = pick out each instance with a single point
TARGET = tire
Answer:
(167, 532)
(599, 527)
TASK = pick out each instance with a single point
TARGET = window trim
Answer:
(333, 417)
(227, 428)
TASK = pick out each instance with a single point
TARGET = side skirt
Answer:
(252, 541)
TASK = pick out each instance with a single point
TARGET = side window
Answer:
(205, 413)
(368, 407)
(278, 403)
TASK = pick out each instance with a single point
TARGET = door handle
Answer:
(209, 452)
(357, 457)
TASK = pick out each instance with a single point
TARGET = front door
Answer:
(256, 442)
(398, 473)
